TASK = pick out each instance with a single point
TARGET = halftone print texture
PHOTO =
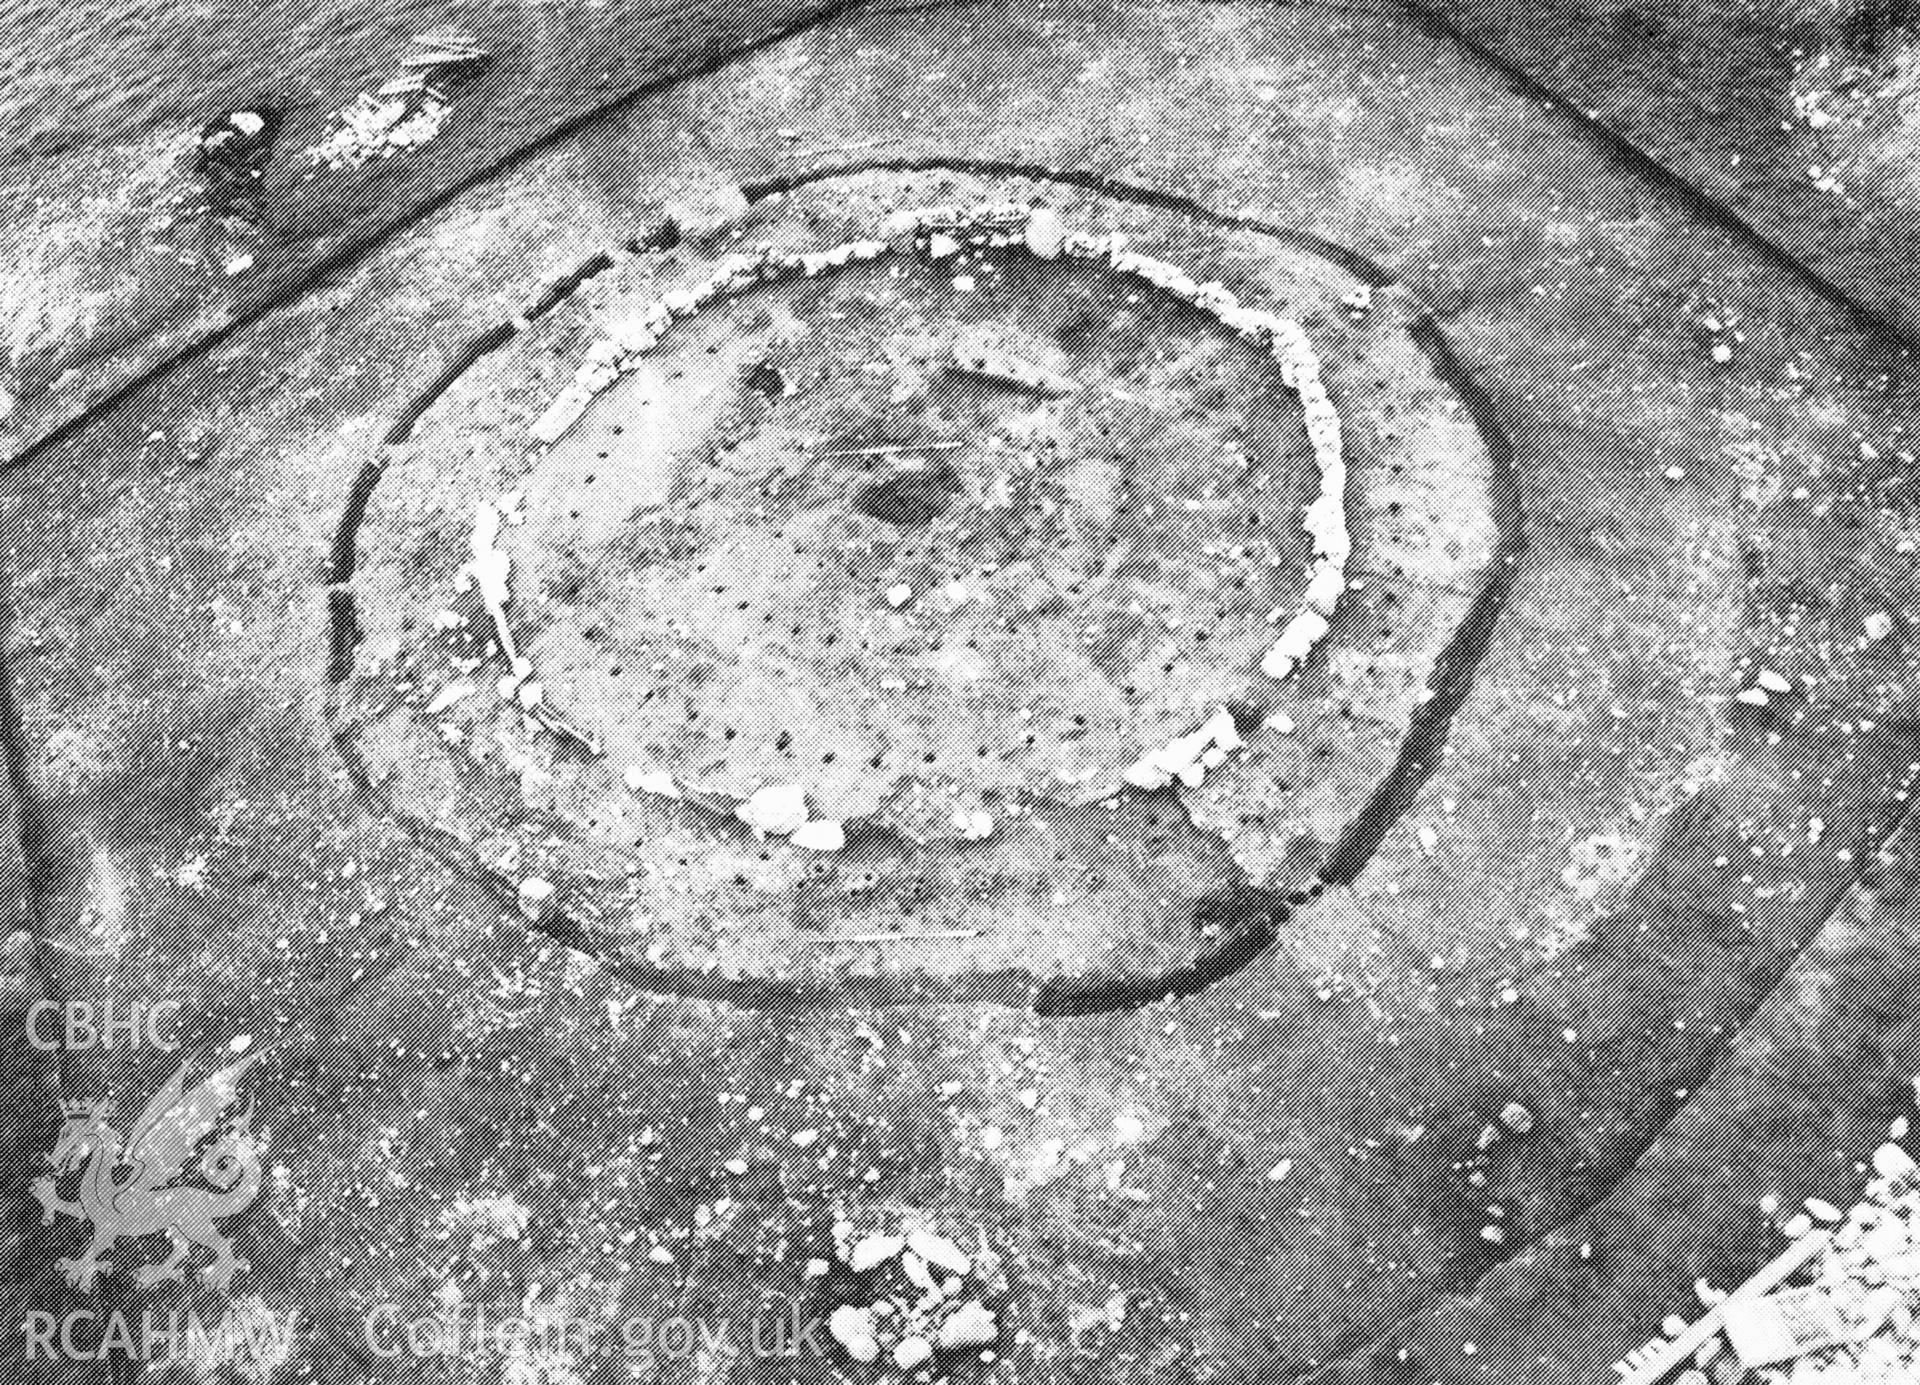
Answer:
(959, 692)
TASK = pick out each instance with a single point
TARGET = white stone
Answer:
(1774, 682)
(776, 809)
(853, 1328)
(873, 1250)
(940, 245)
(912, 1352)
(1045, 233)
(917, 1272)
(899, 595)
(1276, 662)
(534, 891)
(1892, 1162)
(971, 1325)
(939, 1252)
(1878, 625)
(822, 834)
(653, 781)
(1516, 1118)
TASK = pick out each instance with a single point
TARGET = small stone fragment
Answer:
(971, 1325)
(821, 834)
(853, 1328)
(656, 781)
(874, 1250)
(777, 809)
(940, 1252)
(1892, 1162)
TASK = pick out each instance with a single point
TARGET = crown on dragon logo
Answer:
(158, 1153)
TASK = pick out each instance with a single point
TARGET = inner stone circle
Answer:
(986, 500)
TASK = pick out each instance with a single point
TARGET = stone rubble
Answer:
(1187, 758)
(931, 1312)
(1846, 1312)
(375, 127)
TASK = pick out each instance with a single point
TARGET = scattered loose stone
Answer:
(821, 834)
(1516, 1118)
(940, 1252)
(874, 1250)
(853, 1328)
(653, 781)
(776, 810)
(972, 1325)
(1890, 1161)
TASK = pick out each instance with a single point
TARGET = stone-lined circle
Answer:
(670, 874)
(937, 233)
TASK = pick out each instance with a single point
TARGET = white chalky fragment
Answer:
(939, 1252)
(1774, 682)
(899, 595)
(1516, 1118)
(653, 781)
(1753, 697)
(1822, 1210)
(488, 570)
(1878, 625)
(853, 1328)
(777, 809)
(917, 1272)
(912, 1352)
(822, 834)
(1045, 233)
(971, 1325)
(534, 892)
(1890, 1161)
(874, 1250)
(449, 695)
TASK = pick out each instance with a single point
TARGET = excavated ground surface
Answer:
(1069, 576)
(1669, 925)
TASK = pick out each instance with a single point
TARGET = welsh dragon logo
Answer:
(131, 1189)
